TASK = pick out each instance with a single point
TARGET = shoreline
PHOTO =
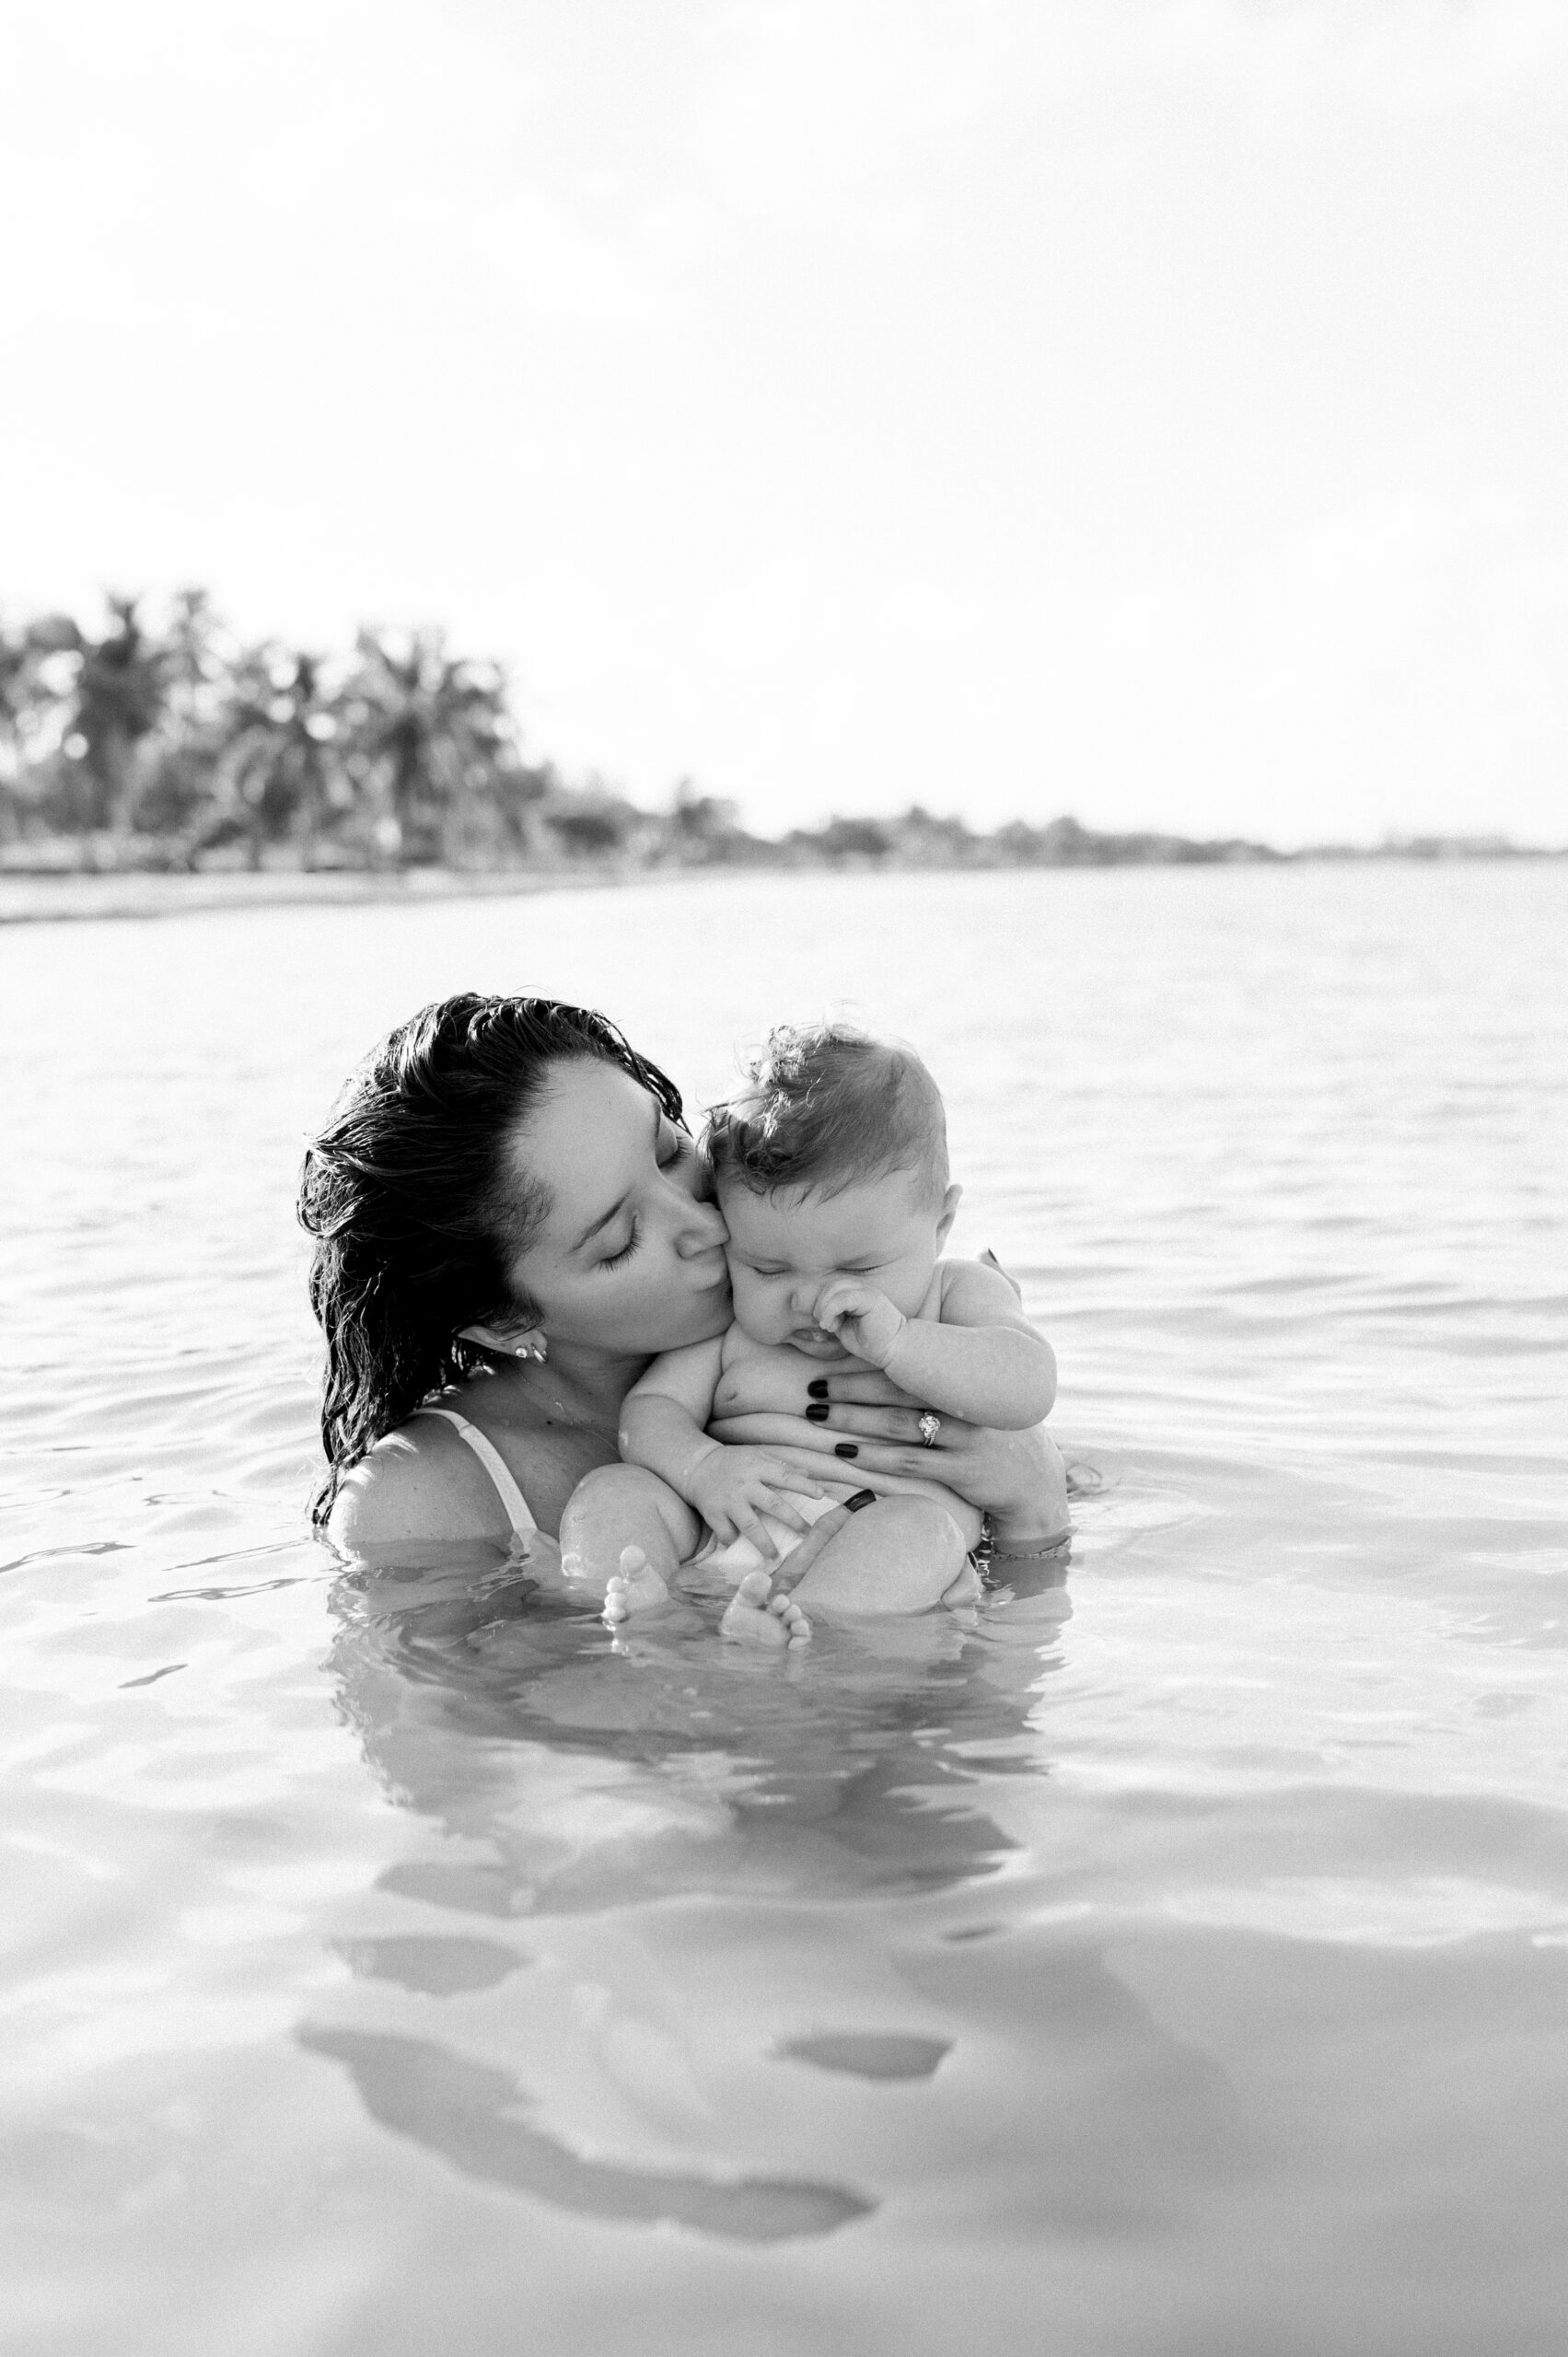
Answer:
(137, 897)
(140, 894)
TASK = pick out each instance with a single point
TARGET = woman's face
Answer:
(628, 1260)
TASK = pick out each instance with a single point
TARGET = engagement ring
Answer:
(928, 1428)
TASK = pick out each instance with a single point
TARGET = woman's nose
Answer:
(705, 1228)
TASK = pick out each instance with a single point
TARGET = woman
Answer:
(509, 1225)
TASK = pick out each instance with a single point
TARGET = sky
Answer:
(1150, 410)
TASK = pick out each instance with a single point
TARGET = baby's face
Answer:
(785, 1246)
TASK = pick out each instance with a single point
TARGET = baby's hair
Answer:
(828, 1106)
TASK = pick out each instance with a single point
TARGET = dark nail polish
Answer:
(846, 1448)
(861, 1498)
(818, 1414)
(817, 1388)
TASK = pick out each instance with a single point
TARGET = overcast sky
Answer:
(1149, 409)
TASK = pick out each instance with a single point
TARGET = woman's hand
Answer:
(1017, 1477)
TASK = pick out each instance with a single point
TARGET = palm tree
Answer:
(279, 770)
(16, 695)
(138, 704)
(19, 699)
(121, 692)
(431, 735)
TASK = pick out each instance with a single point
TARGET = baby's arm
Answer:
(663, 1414)
(661, 1427)
(983, 1362)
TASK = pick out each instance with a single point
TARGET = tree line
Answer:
(154, 738)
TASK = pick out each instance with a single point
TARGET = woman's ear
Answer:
(507, 1342)
(950, 1201)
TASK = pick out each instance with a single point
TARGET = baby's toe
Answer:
(792, 1620)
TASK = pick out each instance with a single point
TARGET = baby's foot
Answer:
(636, 1587)
(756, 1618)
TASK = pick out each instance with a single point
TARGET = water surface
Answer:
(1172, 1960)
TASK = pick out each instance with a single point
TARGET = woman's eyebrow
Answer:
(618, 1205)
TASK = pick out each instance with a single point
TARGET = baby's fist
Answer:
(863, 1318)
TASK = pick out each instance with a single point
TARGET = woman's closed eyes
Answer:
(619, 1259)
(673, 1145)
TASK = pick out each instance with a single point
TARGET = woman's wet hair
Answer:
(827, 1107)
(418, 1209)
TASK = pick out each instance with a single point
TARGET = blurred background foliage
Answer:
(152, 737)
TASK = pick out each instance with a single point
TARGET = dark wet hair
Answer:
(828, 1106)
(416, 1212)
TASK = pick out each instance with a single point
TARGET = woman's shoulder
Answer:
(416, 1484)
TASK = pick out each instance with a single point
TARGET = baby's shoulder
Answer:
(972, 1292)
(736, 1346)
(947, 1285)
(744, 1366)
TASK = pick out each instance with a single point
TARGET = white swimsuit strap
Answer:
(494, 1464)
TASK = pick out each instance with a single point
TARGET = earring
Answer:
(531, 1345)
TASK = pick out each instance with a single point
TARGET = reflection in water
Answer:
(867, 2054)
(432, 1967)
(476, 2118)
(584, 1773)
(598, 1770)
(1252, 2004)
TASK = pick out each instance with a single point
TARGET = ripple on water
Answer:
(1174, 1959)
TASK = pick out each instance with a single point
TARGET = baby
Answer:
(831, 1169)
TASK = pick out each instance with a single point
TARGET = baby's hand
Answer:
(864, 1320)
(731, 1487)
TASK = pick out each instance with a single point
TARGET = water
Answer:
(1174, 1961)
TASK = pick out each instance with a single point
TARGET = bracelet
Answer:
(986, 1549)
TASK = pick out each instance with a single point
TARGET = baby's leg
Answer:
(902, 1555)
(618, 1510)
